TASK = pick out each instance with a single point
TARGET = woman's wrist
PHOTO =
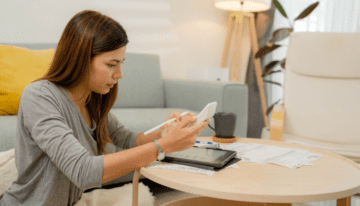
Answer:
(143, 139)
(164, 145)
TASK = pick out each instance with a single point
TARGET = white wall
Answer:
(185, 33)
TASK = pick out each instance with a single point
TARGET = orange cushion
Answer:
(19, 67)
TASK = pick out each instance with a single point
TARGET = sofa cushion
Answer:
(8, 171)
(7, 132)
(142, 84)
(19, 67)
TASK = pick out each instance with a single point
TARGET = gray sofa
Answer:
(145, 99)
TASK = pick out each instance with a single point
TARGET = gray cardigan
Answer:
(55, 153)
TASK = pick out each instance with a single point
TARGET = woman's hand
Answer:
(181, 137)
(196, 134)
(166, 127)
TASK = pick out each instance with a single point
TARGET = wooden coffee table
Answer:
(330, 177)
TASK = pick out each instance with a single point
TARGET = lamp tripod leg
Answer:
(258, 71)
(235, 64)
(227, 43)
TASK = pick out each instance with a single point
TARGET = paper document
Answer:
(261, 153)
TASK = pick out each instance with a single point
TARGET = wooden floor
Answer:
(355, 201)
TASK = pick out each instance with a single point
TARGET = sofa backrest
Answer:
(142, 83)
(33, 46)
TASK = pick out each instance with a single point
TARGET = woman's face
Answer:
(105, 70)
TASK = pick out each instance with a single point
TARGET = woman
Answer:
(64, 121)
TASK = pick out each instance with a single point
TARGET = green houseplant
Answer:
(278, 35)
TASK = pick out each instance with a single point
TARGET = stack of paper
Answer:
(261, 153)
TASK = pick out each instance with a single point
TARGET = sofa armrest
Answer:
(195, 95)
(7, 132)
(277, 122)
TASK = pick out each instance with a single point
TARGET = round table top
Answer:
(330, 177)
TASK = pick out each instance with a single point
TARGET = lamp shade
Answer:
(243, 5)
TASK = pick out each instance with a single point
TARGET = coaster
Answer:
(224, 140)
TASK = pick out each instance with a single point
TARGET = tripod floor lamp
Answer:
(243, 9)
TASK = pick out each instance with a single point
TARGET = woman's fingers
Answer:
(197, 133)
(174, 114)
(185, 121)
(177, 116)
(190, 114)
(190, 120)
(181, 136)
(199, 127)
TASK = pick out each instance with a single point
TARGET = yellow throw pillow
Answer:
(18, 68)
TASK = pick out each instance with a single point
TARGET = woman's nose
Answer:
(118, 74)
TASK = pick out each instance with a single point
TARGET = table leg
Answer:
(343, 201)
(135, 198)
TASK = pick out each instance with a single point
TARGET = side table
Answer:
(330, 177)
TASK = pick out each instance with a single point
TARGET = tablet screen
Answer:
(200, 155)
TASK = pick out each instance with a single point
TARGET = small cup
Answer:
(224, 125)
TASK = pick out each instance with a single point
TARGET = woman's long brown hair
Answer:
(88, 33)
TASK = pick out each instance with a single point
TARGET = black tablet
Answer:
(204, 156)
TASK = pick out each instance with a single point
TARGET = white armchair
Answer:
(321, 94)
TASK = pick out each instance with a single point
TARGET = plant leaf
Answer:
(271, 82)
(272, 107)
(307, 11)
(269, 66)
(282, 63)
(266, 74)
(280, 8)
(281, 34)
(266, 50)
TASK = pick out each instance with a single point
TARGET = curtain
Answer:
(328, 16)
(263, 23)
